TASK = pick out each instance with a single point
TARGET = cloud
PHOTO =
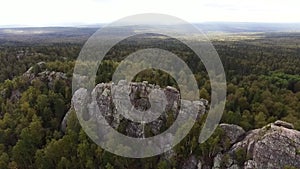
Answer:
(59, 12)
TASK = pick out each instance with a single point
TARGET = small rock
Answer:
(235, 166)
(170, 88)
(106, 92)
(122, 82)
(190, 163)
(284, 124)
(217, 161)
(199, 165)
(250, 164)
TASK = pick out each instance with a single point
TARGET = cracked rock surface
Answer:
(273, 146)
(109, 99)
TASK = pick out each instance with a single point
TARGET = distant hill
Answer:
(238, 27)
(80, 33)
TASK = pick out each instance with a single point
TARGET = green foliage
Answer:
(241, 156)
(109, 166)
(225, 160)
(31, 139)
(263, 86)
(211, 147)
(4, 160)
(260, 120)
(162, 165)
(298, 151)
(231, 117)
(289, 167)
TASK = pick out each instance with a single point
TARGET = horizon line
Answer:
(90, 25)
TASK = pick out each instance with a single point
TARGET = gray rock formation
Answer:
(44, 74)
(107, 98)
(233, 132)
(272, 146)
(40, 65)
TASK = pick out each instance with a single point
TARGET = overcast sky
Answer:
(70, 12)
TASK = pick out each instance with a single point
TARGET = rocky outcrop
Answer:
(274, 146)
(39, 66)
(80, 97)
(108, 98)
(39, 71)
(284, 124)
(232, 132)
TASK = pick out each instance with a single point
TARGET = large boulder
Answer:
(272, 146)
(78, 103)
(233, 132)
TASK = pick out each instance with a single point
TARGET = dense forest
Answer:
(263, 85)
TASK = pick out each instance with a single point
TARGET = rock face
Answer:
(272, 146)
(109, 98)
(40, 71)
(233, 132)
